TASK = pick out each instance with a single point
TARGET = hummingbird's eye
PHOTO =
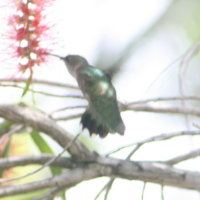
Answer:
(69, 59)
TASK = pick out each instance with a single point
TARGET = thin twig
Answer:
(163, 71)
(43, 166)
(50, 194)
(143, 190)
(178, 159)
(69, 117)
(37, 81)
(183, 65)
(108, 185)
(62, 162)
(102, 190)
(12, 131)
(161, 137)
(134, 150)
(43, 93)
(163, 109)
(108, 188)
(67, 108)
(184, 157)
(176, 98)
(162, 192)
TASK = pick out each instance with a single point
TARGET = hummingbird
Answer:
(102, 115)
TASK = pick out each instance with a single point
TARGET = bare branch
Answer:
(63, 162)
(68, 117)
(67, 179)
(68, 108)
(42, 82)
(101, 191)
(161, 137)
(184, 157)
(50, 194)
(108, 188)
(43, 93)
(143, 190)
(115, 168)
(162, 192)
(163, 109)
(41, 122)
(160, 173)
(44, 165)
(95, 167)
(185, 63)
(175, 98)
(12, 131)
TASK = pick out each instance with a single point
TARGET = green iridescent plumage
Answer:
(102, 115)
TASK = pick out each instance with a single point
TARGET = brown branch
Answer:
(67, 179)
(49, 194)
(184, 157)
(41, 122)
(88, 166)
(43, 93)
(160, 137)
(75, 116)
(159, 99)
(63, 162)
(115, 168)
(162, 109)
(68, 108)
(143, 190)
(37, 81)
(11, 132)
(152, 172)
(49, 162)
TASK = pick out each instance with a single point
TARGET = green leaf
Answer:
(62, 194)
(44, 148)
(5, 153)
(7, 148)
(28, 82)
(5, 127)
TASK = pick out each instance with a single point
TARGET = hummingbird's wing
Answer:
(102, 115)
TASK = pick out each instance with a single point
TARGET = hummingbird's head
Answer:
(74, 62)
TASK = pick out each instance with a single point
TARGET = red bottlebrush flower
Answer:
(28, 30)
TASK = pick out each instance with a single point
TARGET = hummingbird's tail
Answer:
(93, 126)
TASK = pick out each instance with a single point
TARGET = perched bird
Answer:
(102, 115)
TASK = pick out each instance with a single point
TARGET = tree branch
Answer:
(49, 194)
(85, 164)
(67, 179)
(41, 122)
(42, 82)
(114, 168)
(63, 162)
(42, 93)
(159, 99)
(161, 137)
(193, 154)
(162, 109)
(151, 172)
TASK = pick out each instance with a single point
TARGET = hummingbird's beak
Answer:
(51, 54)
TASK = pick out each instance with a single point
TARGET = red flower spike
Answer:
(28, 32)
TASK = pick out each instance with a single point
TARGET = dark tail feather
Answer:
(92, 125)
